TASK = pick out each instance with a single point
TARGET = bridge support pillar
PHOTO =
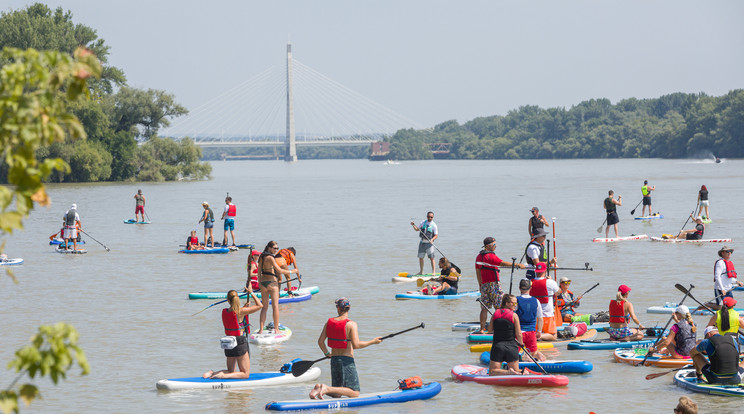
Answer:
(291, 154)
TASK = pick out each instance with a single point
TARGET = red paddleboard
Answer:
(533, 379)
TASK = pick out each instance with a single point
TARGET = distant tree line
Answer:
(121, 122)
(678, 125)
(304, 152)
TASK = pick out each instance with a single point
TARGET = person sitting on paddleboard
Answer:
(530, 317)
(693, 234)
(646, 192)
(681, 338)
(566, 297)
(723, 354)
(269, 276)
(428, 232)
(342, 335)
(536, 253)
(192, 242)
(727, 319)
(251, 283)
(537, 221)
(724, 275)
(139, 207)
(240, 354)
(285, 258)
(507, 338)
(703, 202)
(487, 271)
(544, 290)
(621, 310)
(450, 274)
(610, 205)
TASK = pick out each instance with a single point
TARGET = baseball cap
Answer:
(73, 206)
(565, 279)
(255, 253)
(709, 329)
(205, 203)
(525, 284)
(682, 310)
(343, 303)
(534, 209)
(729, 302)
(488, 240)
(623, 289)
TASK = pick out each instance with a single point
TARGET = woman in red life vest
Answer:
(620, 311)
(239, 355)
(269, 275)
(507, 337)
(342, 335)
(251, 283)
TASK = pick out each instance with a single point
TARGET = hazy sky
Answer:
(429, 60)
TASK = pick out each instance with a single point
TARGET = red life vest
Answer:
(539, 290)
(336, 333)
(617, 312)
(194, 240)
(560, 302)
(489, 271)
(231, 210)
(230, 322)
(730, 271)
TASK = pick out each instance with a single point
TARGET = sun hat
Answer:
(725, 249)
(539, 233)
(682, 310)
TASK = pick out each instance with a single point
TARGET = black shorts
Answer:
(505, 351)
(612, 218)
(693, 236)
(241, 349)
(646, 200)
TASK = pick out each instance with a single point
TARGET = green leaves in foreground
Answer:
(52, 353)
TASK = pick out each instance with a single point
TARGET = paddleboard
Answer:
(411, 277)
(474, 326)
(480, 375)
(404, 296)
(270, 338)
(706, 221)
(487, 347)
(239, 246)
(588, 336)
(427, 391)
(71, 251)
(687, 379)
(655, 216)
(608, 344)
(220, 250)
(256, 380)
(669, 308)
(636, 356)
(617, 239)
(660, 239)
(130, 221)
(223, 295)
(295, 298)
(575, 366)
(11, 262)
(62, 241)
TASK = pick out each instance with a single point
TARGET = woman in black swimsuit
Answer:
(268, 278)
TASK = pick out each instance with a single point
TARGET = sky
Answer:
(430, 61)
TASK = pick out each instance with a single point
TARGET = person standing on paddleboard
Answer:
(229, 216)
(487, 271)
(507, 338)
(71, 223)
(139, 206)
(610, 205)
(703, 202)
(536, 253)
(270, 273)
(428, 232)
(646, 192)
(208, 219)
(724, 275)
(530, 316)
(537, 221)
(621, 310)
(240, 354)
(342, 335)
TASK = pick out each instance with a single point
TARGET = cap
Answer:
(73, 206)
(205, 203)
(539, 233)
(725, 249)
(255, 253)
(565, 279)
(682, 310)
(488, 240)
(698, 218)
(709, 329)
(525, 284)
(623, 289)
(729, 302)
(645, 181)
(534, 209)
(343, 303)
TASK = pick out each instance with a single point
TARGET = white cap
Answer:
(74, 206)
(709, 329)
(682, 310)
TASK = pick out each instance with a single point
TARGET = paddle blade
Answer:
(657, 375)
(301, 367)
(599, 229)
(420, 282)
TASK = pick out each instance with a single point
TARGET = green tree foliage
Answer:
(672, 126)
(162, 159)
(35, 88)
(146, 109)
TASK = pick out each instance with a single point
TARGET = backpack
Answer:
(410, 383)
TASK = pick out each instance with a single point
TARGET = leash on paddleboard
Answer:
(648, 354)
(515, 340)
(104, 246)
(682, 289)
(301, 367)
(634, 208)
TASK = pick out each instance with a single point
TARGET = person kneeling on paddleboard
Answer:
(723, 353)
(343, 338)
(507, 338)
(621, 310)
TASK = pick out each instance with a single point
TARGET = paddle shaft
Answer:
(581, 296)
(432, 243)
(634, 208)
(682, 288)
(688, 219)
(661, 374)
(242, 295)
(104, 246)
(555, 269)
(511, 279)
(687, 293)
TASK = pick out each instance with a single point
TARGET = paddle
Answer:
(432, 243)
(54, 236)
(661, 374)
(580, 296)
(148, 216)
(244, 294)
(515, 340)
(687, 293)
(599, 229)
(634, 208)
(104, 246)
(511, 279)
(688, 219)
(301, 367)
(420, 281)
(682, 289)
(555, 269)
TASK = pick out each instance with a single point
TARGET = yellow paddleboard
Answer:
(487, 347)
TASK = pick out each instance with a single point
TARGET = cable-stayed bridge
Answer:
(288, 105)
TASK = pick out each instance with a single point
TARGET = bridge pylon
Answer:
(291, 154)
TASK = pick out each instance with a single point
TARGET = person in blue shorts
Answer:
(229, 216)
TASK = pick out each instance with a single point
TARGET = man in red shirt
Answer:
(486, 269)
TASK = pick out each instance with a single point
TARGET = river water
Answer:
(348, 221)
